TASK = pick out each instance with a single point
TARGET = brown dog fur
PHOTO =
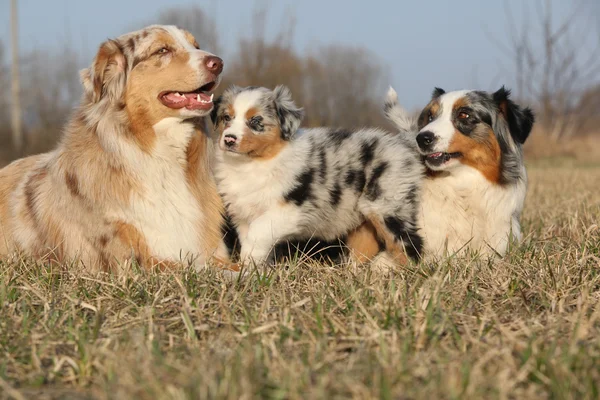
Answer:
(131, 177)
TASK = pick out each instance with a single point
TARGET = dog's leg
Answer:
(263, 234)
(399, 236)
(362, 243)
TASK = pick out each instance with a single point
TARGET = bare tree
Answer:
(259, 61)
(345, 86)
(196, 21)
(51, 91)
(554, 71)
(337, 85)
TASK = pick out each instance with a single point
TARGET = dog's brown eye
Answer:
(226, 118)
(429, 117)
(463, 115)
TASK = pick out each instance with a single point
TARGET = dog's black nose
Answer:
(229, 140)
(425, 140)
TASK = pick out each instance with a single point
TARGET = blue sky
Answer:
(423, 44)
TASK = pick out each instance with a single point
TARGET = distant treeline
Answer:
(337, 85)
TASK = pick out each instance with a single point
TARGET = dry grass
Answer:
(524, 327)
(579, 149)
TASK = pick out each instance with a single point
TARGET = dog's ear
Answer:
(214, 114)
(519, 120)
(290, 116)
(225, 98)
(106, 77)
(437, 92)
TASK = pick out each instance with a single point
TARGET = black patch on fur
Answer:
(361, 180)
(367, 152)
(288, 114)
(312, 148)
(284, 116)
(437, 92)
(412, 195)
(313, 249)
(373, 190)
(323, 161)
(303, 190)
(215, 110)
(412, 241)
(335, 194)
(413, 244)
(338, 137)
(230, 236)
(350, 177)
(486, 118)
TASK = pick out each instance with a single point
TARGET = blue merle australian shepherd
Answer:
(471, 198)
(280, 182)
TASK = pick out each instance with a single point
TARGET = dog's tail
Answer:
(402, 119)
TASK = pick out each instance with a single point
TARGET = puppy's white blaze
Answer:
(246, 100)
(243, 102)
(442, 126)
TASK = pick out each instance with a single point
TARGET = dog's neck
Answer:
(468, 188)
(113, 146)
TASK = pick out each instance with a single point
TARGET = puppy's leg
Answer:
(264, 233)
(400, 237)
(363, 243)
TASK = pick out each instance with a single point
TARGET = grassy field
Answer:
(527, 326)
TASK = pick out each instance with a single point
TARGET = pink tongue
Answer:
(174, 99)
(435, 154)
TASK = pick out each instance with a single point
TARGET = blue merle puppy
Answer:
(280, 182)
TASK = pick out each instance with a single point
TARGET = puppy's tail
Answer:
(401, 118)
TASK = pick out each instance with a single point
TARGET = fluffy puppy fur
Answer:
(473, 194)
(131, 176)
(280, 184)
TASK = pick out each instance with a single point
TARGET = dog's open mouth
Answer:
(437, 159)
(199, 99)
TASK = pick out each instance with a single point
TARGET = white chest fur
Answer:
(466, 211)
(165, 211)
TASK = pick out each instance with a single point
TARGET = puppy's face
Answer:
(156, 73)
(255, 122)
(473, 129)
